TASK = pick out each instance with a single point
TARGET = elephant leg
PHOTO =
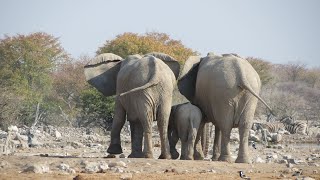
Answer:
(198, 153)
(192, 134)
(244, 127)
(173, 140)
(146, 121)
(184, 149)
(217, 144)
(136, 140)
(163, 115)
(225, 146)
(117, 124)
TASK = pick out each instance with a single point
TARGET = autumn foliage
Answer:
(132, 43)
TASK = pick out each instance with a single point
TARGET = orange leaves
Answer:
(132, 43)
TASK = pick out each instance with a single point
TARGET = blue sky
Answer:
(275, 30)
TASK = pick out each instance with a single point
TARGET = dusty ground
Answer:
(154, 170)
(147, 168)
(55, 152)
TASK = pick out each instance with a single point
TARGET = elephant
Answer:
(225, 88)
(143, 87)
(184, 123)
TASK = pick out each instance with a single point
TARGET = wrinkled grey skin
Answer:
(184, 123)
(226, 90)
(143, 87)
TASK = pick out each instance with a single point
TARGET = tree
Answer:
(68, 84)
(312, 76)
(132, 43)
(26, 62)
(263, 68)
(295, 70)
(97, 109)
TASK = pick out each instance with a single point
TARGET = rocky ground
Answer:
(66, 153)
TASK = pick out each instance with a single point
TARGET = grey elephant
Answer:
(143, 87)
(226, 90)
(184, 123)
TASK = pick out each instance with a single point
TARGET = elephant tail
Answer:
(152, 82)
(244, 86)
(205, 138)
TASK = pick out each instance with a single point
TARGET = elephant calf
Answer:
(184, 123)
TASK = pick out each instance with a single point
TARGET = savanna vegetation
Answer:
(41, 84)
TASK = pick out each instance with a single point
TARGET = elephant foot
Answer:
(186, 158)
(198, 156)
(174, 154)
(114, 149)
(148, 155)
(215, 157)
(243, 159)
(164, 156)
(226, 158)
(136, 155)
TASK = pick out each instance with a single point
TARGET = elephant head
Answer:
(102, 71)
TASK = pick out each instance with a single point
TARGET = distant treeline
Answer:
(41, 83)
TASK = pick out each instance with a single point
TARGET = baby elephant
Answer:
(184, 123)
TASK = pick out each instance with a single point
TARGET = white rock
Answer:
(259, 160)
(119, 170)
(92, 168)
(37, 168)
(57, 134)
(118, 163)
(64, 167)
(122, 156)
(103, 167)
(13, 128)
(126, 176)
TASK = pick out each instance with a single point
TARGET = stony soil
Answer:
(81, 156)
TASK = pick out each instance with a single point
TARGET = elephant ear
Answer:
(188, 77)
(101, 72)
(170, 61)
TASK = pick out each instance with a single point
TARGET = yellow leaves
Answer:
(132, 43)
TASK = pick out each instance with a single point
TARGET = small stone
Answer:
(71, 171)
(121, 164)
(103, 167)
(283, 161)
(4, 164)
(122, 156)
(111, 156)
(91, 168)
(13, 128)
(126, 176)
(57, 134)
(289, 165)
(64, 167)
(119, 170)
(287, 156)
(282, 175)
(148, 164)
(315, 172)
(313, 164)
(307, 178)
(212, 171)
(37, 168)
(259, 160)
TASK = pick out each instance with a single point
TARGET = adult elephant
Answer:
(143, 87)
(226, 90)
